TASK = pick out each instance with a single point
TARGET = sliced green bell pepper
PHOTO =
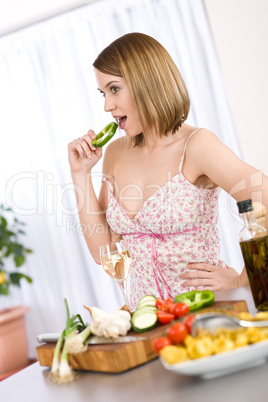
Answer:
(196, 299)
(105, 135)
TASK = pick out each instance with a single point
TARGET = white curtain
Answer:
(48, 97)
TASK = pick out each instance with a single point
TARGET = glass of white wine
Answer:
(116, 262)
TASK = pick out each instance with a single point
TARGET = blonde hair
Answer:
(154, 81)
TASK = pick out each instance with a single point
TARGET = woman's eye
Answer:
(114, 90)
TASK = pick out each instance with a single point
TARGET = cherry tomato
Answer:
(169, 300)
(164, 317)
(171, 307)
(188, 322)
(159, 302)
(164, 307)
(180, 309)
(160, 343)
(177, 333)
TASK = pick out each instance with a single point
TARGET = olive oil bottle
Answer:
(254, 246)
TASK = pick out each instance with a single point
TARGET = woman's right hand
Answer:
(82, 155)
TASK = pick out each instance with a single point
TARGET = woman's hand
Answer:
(211, 277)
(82, 155)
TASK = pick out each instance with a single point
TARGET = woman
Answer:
(162, 180)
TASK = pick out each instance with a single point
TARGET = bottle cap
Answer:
(245, 206)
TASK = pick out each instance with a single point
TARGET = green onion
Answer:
(61, 371)
(56, 358)
(76, 342)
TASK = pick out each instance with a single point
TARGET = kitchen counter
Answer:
(243, 293)
(149, 382)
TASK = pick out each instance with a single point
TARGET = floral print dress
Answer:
(176, 225)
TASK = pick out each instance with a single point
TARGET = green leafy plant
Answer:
(11, 248)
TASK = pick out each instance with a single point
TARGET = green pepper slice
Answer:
(196, 299)
(105, 135)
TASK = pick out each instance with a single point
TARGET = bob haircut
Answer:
(156, 86)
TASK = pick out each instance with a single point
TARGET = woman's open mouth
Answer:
(122, 122)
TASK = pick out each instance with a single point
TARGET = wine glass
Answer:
(116, 262)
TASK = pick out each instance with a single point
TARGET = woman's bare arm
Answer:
(212, 158)
(92, 211)
(215, 160)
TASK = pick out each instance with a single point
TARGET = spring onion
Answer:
(76, 342)
(61, 372)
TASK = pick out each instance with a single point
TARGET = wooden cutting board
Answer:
(116, 358)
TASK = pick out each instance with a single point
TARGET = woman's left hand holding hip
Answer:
(210, 277)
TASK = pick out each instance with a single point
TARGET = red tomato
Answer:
(160, 343)
(164, 317)
(171, 307)
(169, 300)
(164, 307)
(188, 322)
(180, 309)
(177, 333)
(159, 302)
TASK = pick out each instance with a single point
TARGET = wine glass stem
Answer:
(123, 287)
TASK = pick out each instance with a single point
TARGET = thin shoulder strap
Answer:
(108, 184)
(184, 149)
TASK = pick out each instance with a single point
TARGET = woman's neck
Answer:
(153, 141)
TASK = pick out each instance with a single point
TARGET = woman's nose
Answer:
(109, 104)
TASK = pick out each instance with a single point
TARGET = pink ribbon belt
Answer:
(154, 262)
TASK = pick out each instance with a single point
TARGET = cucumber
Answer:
(147, 300)
(144, 317)
(147, 297)
(147, 303)
(144, 322)
(146, 306)
(145, 309)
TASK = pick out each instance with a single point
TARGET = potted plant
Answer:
(13, 337)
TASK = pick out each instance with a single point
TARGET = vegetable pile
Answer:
(151, 310)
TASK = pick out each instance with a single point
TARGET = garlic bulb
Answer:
(108, 324)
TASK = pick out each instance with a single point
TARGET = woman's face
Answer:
(118, 101)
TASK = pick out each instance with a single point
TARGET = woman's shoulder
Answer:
(203, 146)
(201, 134)
(206, 154)
(200, 139)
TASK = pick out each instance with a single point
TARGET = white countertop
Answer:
(150, 382)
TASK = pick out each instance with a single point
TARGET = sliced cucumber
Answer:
(147, 303)
(146, 306)
(147, 300)
(147, 297)
(145, 309)
(144, 322)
